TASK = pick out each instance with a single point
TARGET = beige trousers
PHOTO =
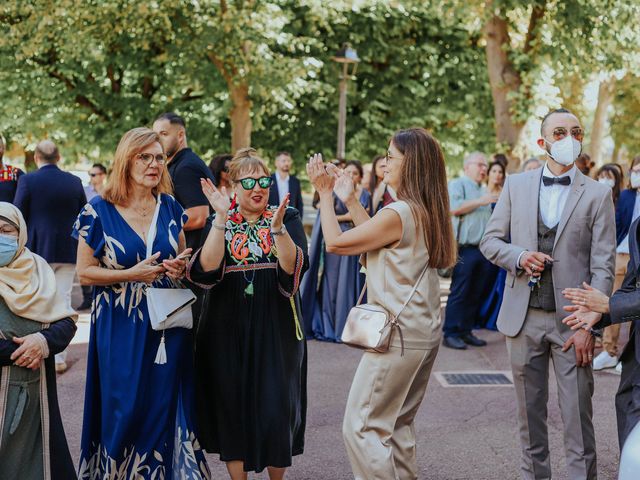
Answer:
(378, 427)
(612, 333)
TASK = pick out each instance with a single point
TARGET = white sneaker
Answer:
(619, 368)
(604, 360)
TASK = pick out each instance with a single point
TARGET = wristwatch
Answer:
(282, 231)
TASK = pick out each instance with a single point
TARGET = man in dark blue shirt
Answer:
(8, 178)
(50, 201)
(186, 169)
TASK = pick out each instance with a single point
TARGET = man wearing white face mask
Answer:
(552, 229)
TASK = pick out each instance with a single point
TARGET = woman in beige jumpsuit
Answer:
(400, 240)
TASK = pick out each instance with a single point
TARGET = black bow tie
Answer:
(548, 181)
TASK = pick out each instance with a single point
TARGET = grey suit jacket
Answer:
(584, 250)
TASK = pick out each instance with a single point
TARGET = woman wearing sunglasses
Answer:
(250, 351)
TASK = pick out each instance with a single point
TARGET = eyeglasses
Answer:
(560, 132)
(250, 183)
(225, 169)
(479, 164)
(95, 174)
(147, 158)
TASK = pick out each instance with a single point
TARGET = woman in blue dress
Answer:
(488, 314)
(138, 415)
(332, 285)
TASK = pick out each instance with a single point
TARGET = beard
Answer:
(172, 149)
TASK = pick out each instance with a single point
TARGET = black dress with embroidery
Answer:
(250, 359)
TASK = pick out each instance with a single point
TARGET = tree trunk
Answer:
(598, 130)
(240, 116)
(503, 79)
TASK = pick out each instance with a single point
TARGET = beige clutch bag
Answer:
(370, 326)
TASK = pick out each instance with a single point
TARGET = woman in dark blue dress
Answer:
(138, 416)
(331, 287)
(488, 314)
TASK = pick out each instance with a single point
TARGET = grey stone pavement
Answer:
(462, 432)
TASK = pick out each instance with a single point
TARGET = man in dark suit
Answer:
(50, 201)
(593, 309)
(284, 183)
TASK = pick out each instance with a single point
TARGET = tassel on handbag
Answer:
(161, 356)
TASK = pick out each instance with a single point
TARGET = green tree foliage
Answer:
(625, 122)
(84, 71)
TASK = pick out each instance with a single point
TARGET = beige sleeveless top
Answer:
(391, 275)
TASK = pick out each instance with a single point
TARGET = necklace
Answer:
(249, 289)
(143, 212)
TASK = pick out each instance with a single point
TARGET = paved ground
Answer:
(463, 432)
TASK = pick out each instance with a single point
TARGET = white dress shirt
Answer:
(283, 186)
(624, 244)
(554, 197)
(552, 200)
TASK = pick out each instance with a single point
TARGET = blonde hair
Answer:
(246, 160)
(118, 187)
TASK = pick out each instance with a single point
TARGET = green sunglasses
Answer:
(249, 183)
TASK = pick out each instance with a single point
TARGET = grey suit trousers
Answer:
(530, 352)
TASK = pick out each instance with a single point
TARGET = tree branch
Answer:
(537, 13)
(187, 97)
(222, 68)
(148, 89)
(115, 82)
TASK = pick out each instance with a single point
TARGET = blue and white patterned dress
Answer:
(138, 415)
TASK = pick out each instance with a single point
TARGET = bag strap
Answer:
(415, 287)
(153, 228)
(413, 291)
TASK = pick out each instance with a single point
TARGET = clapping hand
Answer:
(344, 184)
(581, 317)
(588, 297)
(218, 199)
(175, 267)
(278, 216)
(320, 178)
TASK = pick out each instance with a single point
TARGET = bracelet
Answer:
(219, 227)
(594, 333)
(282, 231)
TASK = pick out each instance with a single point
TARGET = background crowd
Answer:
(252, 247)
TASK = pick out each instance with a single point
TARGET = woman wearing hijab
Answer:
(35, 324)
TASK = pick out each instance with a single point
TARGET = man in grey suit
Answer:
(552, 228)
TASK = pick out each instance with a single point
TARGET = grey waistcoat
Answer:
(542, 295)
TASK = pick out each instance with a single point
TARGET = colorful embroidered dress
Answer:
(250, 364)
(138, 415)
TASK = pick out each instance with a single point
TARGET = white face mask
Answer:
(609, 182)
(565, 151)
(635, 179)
